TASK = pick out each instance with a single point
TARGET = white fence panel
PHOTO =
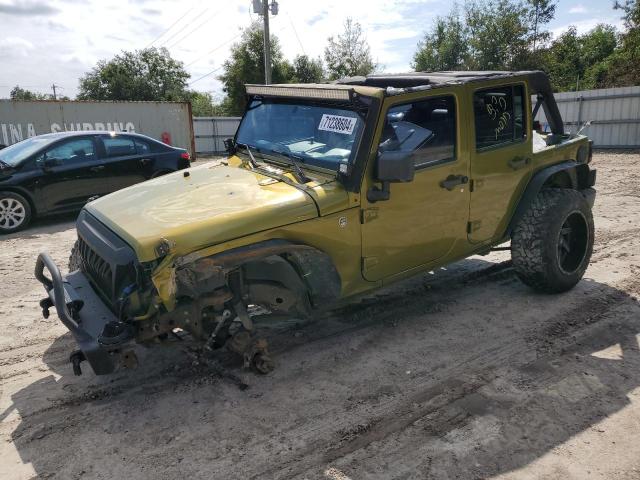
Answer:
(614, 114)
(210, 133)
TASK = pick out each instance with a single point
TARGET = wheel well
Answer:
(26, 195)
(561, 179)
(160, 173)
(276, 274)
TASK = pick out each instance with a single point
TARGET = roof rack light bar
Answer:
(299, 92)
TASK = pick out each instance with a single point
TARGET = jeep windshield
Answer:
(324, 136)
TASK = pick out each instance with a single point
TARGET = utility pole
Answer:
(263, 7)
(53, 87)
(267, 43)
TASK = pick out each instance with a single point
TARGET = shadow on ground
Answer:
(531, 406)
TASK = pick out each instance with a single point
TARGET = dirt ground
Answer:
(459, 373)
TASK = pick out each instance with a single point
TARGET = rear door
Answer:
(73, 174)
(125, 165)
(501, 157)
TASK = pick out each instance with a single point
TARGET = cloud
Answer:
(27, 8)
(15, 47)
(578, 9)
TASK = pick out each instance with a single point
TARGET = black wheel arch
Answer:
(298, 267)
(26, 194)
(567, 174)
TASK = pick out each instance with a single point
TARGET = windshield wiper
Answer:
(252, 161)
(298, 173)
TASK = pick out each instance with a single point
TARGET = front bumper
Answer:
(82, 311)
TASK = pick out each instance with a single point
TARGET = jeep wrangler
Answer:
(329, 191)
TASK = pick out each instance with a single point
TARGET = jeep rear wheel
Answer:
(552, 243)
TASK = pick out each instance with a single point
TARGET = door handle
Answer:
(452, 181)
(97, 168)
(519, 162)
(145, 161)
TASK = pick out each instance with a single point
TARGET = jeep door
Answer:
(501, 157)
(72, 173)
(423, 219)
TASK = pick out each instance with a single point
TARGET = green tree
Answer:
(541, 12)
(149, 74)
(307, 70)
(498, 34)
(204, 105)
(580, 61)
(246, 65)
(623, 67)
(444, 47)
(18, 93)
(349, 54)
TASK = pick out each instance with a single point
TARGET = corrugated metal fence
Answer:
(614, 114)
(210, 133)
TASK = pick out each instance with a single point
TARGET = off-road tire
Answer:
(75, 260)
(552, 243)
(15, 212)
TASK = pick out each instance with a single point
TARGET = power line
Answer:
(214, 49)
(179, 31)
(206, 74)
(296, 33)
(172, 25)
(194, 29)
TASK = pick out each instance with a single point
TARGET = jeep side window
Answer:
(426, 128)
(499, 116)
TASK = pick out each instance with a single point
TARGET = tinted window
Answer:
(142, 147)
(427, 128)
(73, 151)
(119, 146)
(499, 116)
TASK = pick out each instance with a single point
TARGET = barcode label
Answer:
(337, 124)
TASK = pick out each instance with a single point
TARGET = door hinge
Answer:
(474, 226)
(368, 214)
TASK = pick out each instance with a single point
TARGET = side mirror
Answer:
(230, 146)
(391, 167)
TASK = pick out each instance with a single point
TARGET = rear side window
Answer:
(426, 128)
(119, 146)
(499, 116)
(142, 147)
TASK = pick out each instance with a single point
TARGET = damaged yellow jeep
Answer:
(330, 191)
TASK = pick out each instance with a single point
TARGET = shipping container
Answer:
(169, 122)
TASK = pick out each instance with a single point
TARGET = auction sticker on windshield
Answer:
(337, 124)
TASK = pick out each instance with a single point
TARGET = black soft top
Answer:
(398, 83)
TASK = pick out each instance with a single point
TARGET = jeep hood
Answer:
(212, 204)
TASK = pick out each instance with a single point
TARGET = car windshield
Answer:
(16, 153)
(320, 135)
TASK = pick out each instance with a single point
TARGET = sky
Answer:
(45, 42)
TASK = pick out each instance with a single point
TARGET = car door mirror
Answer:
(391, 167)
(395, 167)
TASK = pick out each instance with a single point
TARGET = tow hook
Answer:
(76, 358)
(46, 304)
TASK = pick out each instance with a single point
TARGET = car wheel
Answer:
(15, 212)
(552, 243)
